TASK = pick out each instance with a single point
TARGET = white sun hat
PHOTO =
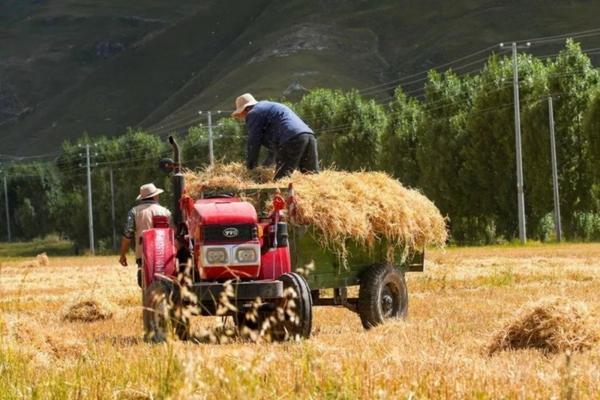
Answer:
(148, 190)
(243, 101)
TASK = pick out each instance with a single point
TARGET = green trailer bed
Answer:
(330, 270)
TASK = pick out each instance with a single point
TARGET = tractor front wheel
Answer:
(382, 295)
(293, 318)
(161, 315)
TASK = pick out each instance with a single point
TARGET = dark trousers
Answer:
(298, 153)
(138, 261)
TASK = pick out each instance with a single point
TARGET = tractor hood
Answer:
(223, 212)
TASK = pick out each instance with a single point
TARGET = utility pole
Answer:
(211, 153)
(557, 223)
(518, 148)
(7, 209)
(89, 198)
(112, 209)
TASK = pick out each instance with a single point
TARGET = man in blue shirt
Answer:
(279, 129)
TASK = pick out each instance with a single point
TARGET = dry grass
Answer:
(456, 306)
(552, 325)
(42, 260)
(88, 310)
(362, 206)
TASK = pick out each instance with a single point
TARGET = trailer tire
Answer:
(293, 319)
(160, 314)
(382, 295)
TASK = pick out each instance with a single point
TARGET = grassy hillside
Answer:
(101, 65)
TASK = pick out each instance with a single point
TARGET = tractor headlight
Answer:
(216, 256)
(246, 255)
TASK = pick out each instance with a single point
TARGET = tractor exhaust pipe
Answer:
(178, 183)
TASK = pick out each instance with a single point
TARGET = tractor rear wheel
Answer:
(161, 315)
(293, 319)
(382, 295)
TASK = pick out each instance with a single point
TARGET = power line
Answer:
(487, 49)
(574, 35)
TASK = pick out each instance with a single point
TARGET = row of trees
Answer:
(456, 144)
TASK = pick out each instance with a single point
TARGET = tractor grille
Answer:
(230, 233)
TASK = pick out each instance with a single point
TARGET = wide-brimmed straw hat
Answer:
(148, 190)
(243, 101)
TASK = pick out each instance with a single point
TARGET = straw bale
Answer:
(552, 325)
(88, 310)
(42, 259)
(362, 206)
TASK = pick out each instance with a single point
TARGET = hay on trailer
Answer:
(88, 310)
(362, 206)
(552, 325)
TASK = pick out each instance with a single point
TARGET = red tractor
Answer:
(221, 246)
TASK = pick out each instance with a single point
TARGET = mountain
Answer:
(100, 66)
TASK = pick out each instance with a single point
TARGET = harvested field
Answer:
(465, 297)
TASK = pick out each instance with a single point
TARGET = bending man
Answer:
(278, 128)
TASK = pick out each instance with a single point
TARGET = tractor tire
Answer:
(160, 314)
(293, 320)
(382, 295)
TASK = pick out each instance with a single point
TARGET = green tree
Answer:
(571, 81)
(358, 144)
(25, 219)
(349, 127)
(229, 143)
(32, 187)
(400, 139)
(133, 158)
(442, 137)
(490, 146)
(320, 109)
(592, 133)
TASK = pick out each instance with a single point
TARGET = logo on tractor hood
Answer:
(230, 232)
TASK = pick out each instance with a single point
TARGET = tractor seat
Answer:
(160, 221)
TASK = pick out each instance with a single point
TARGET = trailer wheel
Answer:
(382, 295)
(293, 319)
(160, 314)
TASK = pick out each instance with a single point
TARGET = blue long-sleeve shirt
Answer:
(270, 124)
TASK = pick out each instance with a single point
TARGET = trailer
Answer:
(225, 248)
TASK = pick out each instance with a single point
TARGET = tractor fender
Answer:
(159, 254)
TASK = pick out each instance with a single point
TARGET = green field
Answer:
(52, 246)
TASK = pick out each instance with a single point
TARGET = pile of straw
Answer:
(361, 206)
(551, 325)
(42, 260)
(88, 310)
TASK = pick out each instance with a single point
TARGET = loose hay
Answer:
(42, 345)
(361, 206)
(42, 260)
(552, 325)
(88, 310)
